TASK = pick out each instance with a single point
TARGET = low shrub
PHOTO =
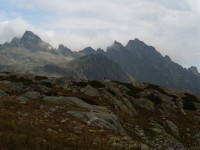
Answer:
(39, 78)
(191, 98)
(189, 105)
(96, 84)
(111, 92)
(80, 84)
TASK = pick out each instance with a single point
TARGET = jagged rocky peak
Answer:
(29, 36)
(33, 42)
(15, 41)
(61, 46)
(64, 50)
(87, 51)
(142, 48)
(167, 58)
(116, 46)
(100, 51)
(194, 70)
(136, 43)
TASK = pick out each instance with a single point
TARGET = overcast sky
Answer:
(171, 26)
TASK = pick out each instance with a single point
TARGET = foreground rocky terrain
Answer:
(37, 112)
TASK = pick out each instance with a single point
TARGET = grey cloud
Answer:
(181, 5)
(171, 26)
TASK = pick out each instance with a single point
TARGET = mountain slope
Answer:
(98, 67)
(37, 112)
(146, 64)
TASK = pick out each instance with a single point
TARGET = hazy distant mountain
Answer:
(135, 61)
(31, 54)
(64, 50)
(33, 42)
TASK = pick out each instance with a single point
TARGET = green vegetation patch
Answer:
(96, 84)
(111, 92)
(158, 88)
(154, 98)
(190, 98)
(89, 101)
(80, 84)
(24, 80)
(14, 78)
(133, 91)
(6, 72)
(47, 84)
(39, 78)
(189, 105)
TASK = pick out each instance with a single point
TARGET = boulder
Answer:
(56, 99)
(197, 106)
(23, 100)
(144, 103)
(32, 95)
(2, 93)
(122, 104)
(74, 101)
(173, 128)
(90, 91)
(131, 108)
(102, 120)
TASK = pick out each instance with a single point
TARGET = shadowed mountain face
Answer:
(146, 64)
(64, 50)
(98, 67)
(136, 61)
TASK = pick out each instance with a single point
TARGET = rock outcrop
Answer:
(37, 112)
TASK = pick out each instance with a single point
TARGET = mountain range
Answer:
(136, 61)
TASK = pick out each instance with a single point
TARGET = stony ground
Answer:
(37, 112)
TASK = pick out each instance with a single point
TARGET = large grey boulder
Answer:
(23, 99)
(2, 93)
(122, 104)
(102, 120)
(197, 106)
(173, 128)
(58, 100)
(144, 103)
(76, 102)
(90, 91)
(131, 108)
(32, 95)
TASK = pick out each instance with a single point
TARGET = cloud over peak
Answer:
(171, 26)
